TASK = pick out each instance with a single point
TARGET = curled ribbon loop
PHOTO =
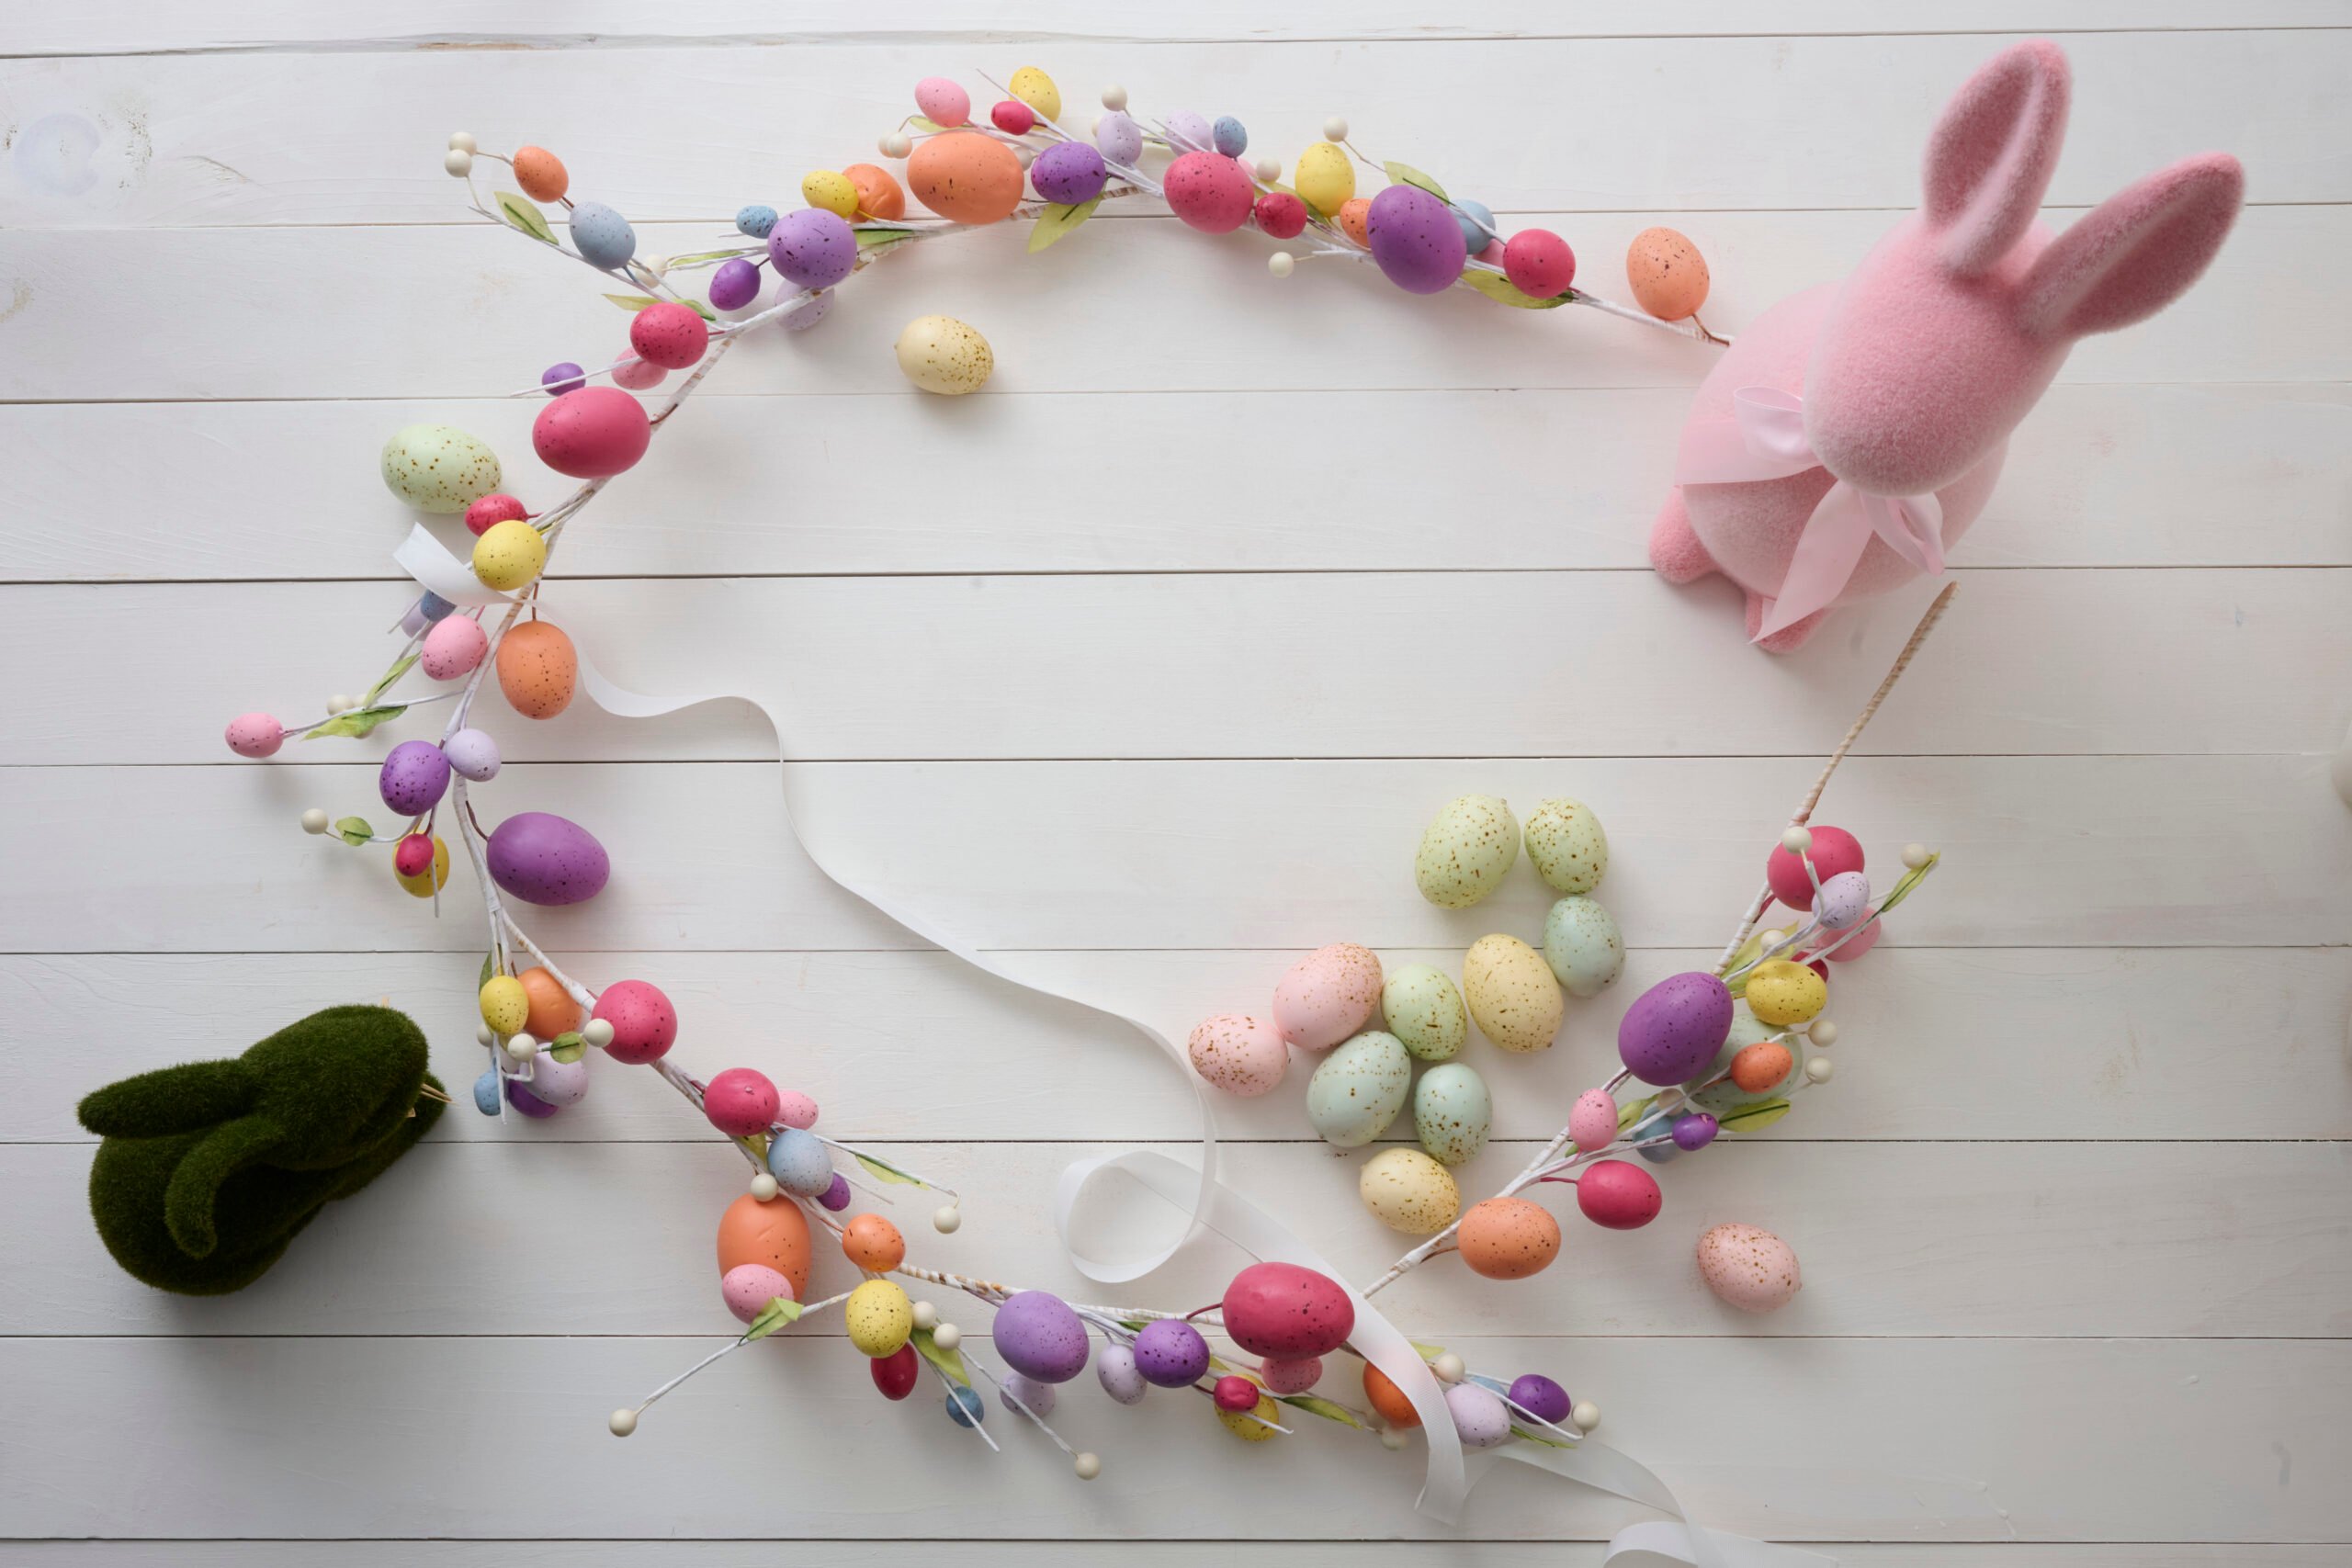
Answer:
(1765, 439)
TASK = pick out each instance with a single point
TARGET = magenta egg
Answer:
(1834, 851)
(1209, 191)
(1282, 215)
(1236, 1393)
(412, 854)
(485, 513)
(812, 248)
(1414, 238)
(542, 858)
(1069, 173)
(523, 1101)
(836, 1197)
(453, 648)
(1617, 1196)
(1286, 1312)
(669, 334)
(1675, 1028)
(740, 1102)
(1040, 1337)
(644, 1024)
(1016, 118)
(255, 735)
(1292, 1377)
(1170, 1353)
(414, 777)
(1539, 263)
(591, 434)
(735, 285)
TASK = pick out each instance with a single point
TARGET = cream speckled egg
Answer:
(1583, 946)
(1424, 1009)
(1358, 1090)
(1466, 851)
(1238, 1054)
(438, 467)
(1512, 992)
(1748, 1267)
(1326, 996)
(1408, 1191)
(941, 355)
(1566, 846)
(1452, 1112)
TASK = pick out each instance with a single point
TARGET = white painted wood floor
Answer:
(1152, 662)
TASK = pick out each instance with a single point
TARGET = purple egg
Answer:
(1039, 1337)
(1415, 239)
(836, 1197)
(1694, 1132)
(735, 285)
(1675, 1028)
(561, 378)
(1068, 172)
(414, 778)
(527, 1102)
(812, 248)
(1170, 1353)
(542, 859)
(1540, 1397)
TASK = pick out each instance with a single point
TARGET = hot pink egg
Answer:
(1327, 996)
(1209, 191)
(454, 647)
(255, 735)
(1834, 850)
(1592, 1120)
(1862, 941)
(672, 335)
(486, 513)
(591, 434)
(644, 1024)
(740, 1102)
(1286, 1313)
(1617, 1196)
(749, 1286)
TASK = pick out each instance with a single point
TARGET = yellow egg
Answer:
(505, 1005)
(1512, 994)
(879, 1317)
(1781, 992)
(1326, 177)
(1036, 89)
(941, 355)
(425, 884)
(832, 191)
(509, 555)
(1408, 1191)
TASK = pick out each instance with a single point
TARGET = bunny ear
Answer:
(195, 1186)
(1990, 158)
(171, 1100)
(2136, 252)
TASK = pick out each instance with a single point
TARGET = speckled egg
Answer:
(1452, 1112)
(1291, 1377)
(509, 555)
(940, 353)
(1230, 136)
(1013, 117)
(453, 648)
(1415, 240)
(1780, 992)
(544, 859)
(1423, 1009)
(1675, 1028)
(1476, 221)
(1188, 132)
(1511, 993)
(1466, 851)
(942, 101)
(810, 311)
(414, 778)
(538, 669)
(602, 235)
(775, 1233)
(740, 1101)
(800, 1162)
(1749, 1267)
(879, 1318)
(879, 194)
(473, 754)
(438, 467)
(1844, 899)
(1118, 137)
(1583, 946)
(1354, 218)
(966, 177)
(1286, 1311)
(540, 173)
(965, 1406)
(425, 884)
(591, 434)
(1667, 275)
(1408, 1191)
(1116, 1369)
(1833, 852)
(1169, 1353)
(1040, 1337)
(1252, 1426)
(558, 1083)
(795, 1109)
(255, 735)
(1325, 178)
(1021, 1392)
(749, 1286)
(1358, 1089)
(1481, 1417)
(520, 1096)
(754, 220)
(1238, 1054)
(873, 1243)
(1326, 996)
(812, 248)
(644, 1024)
(1036, 89)
(1566, 846)
(1592, 1120)
(1617, 1196)
(1069, 173)
(1539, 263)
(896, 1374)
(1281, 215)
(831, 190)
(1541, 1397)
(487, 1089)
(1508, 1238)
(669, 334)
(1209, 192)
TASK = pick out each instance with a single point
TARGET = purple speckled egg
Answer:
(1068, 172)
(1541, 1397)
(1119, 136)
(1694, 1132)
(523, 1101)
(1415, 239)
(811, 311)
(836, 1197)
(1170, 1353)
(414, 778)
(1286, 1312)
(1675, 1028)
(542, 859)
(1039, 1337)
(735, 285)
(812, 248)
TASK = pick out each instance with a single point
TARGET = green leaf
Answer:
(925, 125)
(568, 1046)
(1910, 879)
(355, 723)
(883, 1172)
(779, 1311)
(1323, 1407)
(632, 301)
(695, 258)
(354, 830)
(1500, 289)
(1753, 1118)
(1426, 1352)
(1629, 1114)
(400, 667)
(705, 311)
(876, 238)
(951, 1362)
(489, 967)
(524, 216)
(1058, 220)
(1406, 175)
(1533, 1437)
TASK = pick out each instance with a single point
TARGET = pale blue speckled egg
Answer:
(602, 235)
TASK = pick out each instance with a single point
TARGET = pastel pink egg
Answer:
(1862, 941)
(644, 1024)
(1292, 1377)
(942, 102)
(639, 375)
(591, 434)
(749, 1286)
(740, 1102)
(454, 647)
(795, 1109)
(670, 335)
(1209, 191)
(1592, 1120)
(1749, 1267)
(1238, 1054)
(255, 735)
(1327, 996)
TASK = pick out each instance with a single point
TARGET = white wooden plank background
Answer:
(2075, 1215)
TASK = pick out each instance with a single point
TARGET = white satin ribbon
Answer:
(437, 572)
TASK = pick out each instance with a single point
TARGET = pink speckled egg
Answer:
(669, 334)
(942, 102)
(795, 1109)
(454, 647)
(639, 375)
(1749, 1267)
(644, 1024)
(1539, 263)
(259, 735)
(1209, 191)
(1238, 1054)
(591, 434)
(1286, 1312)
(1592, 1120)
(1292, 1377)
(1327, 996)
(485, 513)
(1414, 238)
(740, 1102)
(542, 858)
(749, 1286)
(1852, 947)
(1833, 852)
(1617, 1196)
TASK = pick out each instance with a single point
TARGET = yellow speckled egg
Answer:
(425, 884)
(509, 555)
(1781, 992)
(1408, 1191)
(879, 1318)
(1566, 846)
(1325, 177)
(1242, 1424)
(1513, 995)
(505, 1006)
(830, 190)
(1036, 89)
(438, 467)
(941, 355)
(1668, 274)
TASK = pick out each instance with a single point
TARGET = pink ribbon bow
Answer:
(1764, 439)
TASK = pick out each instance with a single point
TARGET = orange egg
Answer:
(1668, 274)
(873, 1243)
(1759, 1067)
(878, 195)
(1355, 215)
(537, 669)
(1388, 1399)
(540, 173)
(553, 1011)
(966, 177)
(1508, 1238)
(774, 1233)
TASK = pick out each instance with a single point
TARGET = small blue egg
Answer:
(602, 235)
(800, 1162)
(1656, 1125)
(1231, 138)
(1473, 236)
(756, 220)
(486, 1093)
(1496, 1385)
(964, 1408)
(436, 608)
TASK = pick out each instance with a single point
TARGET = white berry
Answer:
(1392, 1439)
(947, 1336)
(485, 1035)
(314, 821)
(462, 141)
(1586, 1414)
(459, 162)
(622, 1423)
(340, 704)
(1281, 263)
(897, 145)
(598, 1032)
(1916, 855)
(522, 1047)
(1024, 156)
(947, 1219)
(764, 1186)
(1773, 939)
(1114, 97)
(1335, 129)
(1797, 840)
(1449, 1368)
(1087, 1466)
(1269, 170)
(1823, 1032)
(1819, 1069)
(926, 1316)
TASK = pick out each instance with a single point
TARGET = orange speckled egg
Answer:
(966, 177)
(873, 1243)
(1355, 219)
(878, 195)
(1508, 1238)
(553, 1011)
(1759, 1067)
(537, 669)
(1668, 274)
(540, 173)
(1387, 1399)
(774, 1233)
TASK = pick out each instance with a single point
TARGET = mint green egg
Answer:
(1452, 1112)
(1466, 851)
(1582, 944)
(1358, 1090)
(1423, 1009)
(1566, 846)
(438, 467)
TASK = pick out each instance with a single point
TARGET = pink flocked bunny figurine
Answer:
(1849, 436)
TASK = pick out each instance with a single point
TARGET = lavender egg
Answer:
(1039, 1337)
(735, 285)
(1675, 1028)
(1020, 1390)
(1190, 133)
(1480, 1419)
(1170, 1353)
(1415, 239)
(1119, 136)
(811, 311)
(563, 378)
(416, 776)
(1115, 1369)
(1843, 900)
(473, 754)
(836, 1194)
(542, 859)
(1069, 173)
(813, 248)
(1541, 1397)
